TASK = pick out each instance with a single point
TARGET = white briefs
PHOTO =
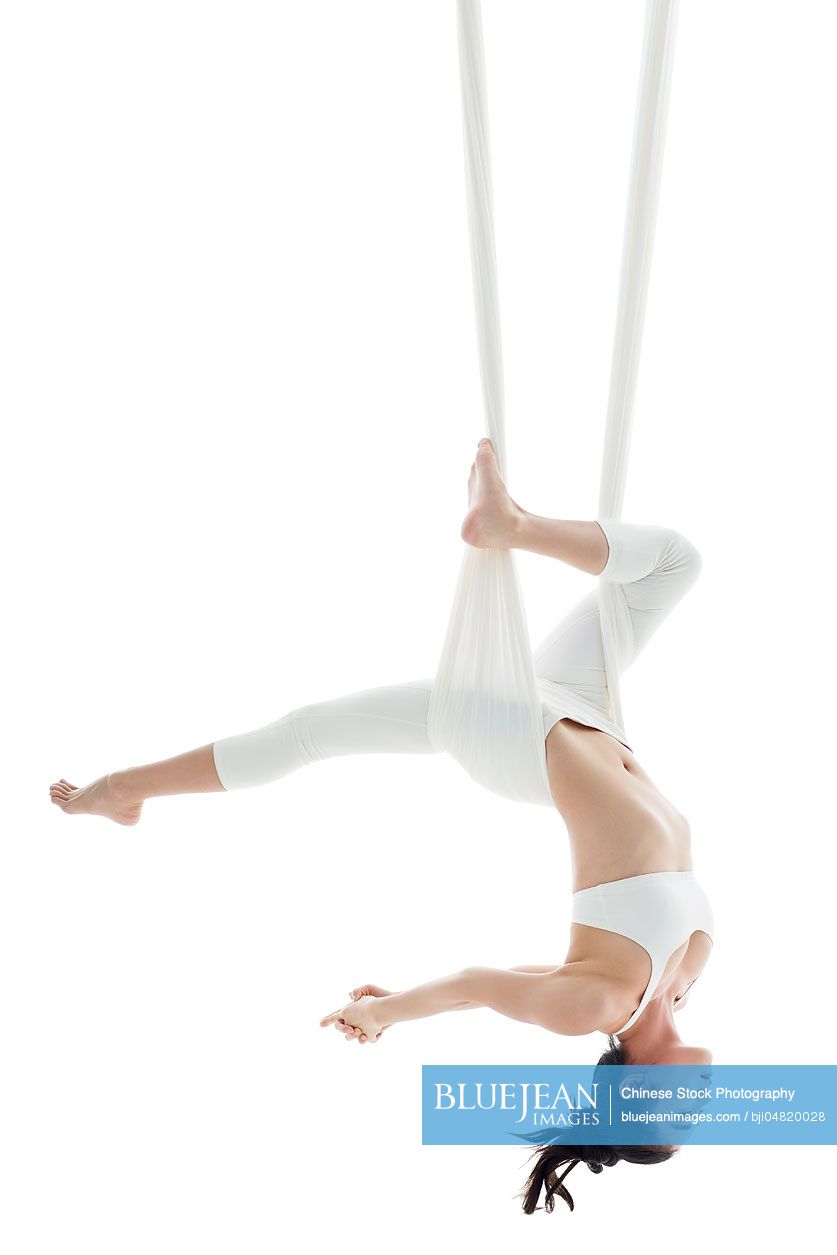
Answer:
(654, 567)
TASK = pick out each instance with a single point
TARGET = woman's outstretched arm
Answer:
(570, 1000)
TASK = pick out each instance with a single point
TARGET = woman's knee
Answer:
(682, 555)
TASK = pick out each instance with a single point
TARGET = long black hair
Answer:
(544, 1176)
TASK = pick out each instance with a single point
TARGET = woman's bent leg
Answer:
(654, 568)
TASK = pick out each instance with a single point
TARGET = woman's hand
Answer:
(358, 1020)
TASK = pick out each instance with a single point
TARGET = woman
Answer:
(641, 924)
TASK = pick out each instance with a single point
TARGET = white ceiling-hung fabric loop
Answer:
(480, 200)
(637, 250)
(485, 706)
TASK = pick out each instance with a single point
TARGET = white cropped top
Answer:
(659, 911)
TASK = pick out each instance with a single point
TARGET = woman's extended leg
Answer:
(389, 720)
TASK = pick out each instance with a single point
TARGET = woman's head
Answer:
(553, 1163)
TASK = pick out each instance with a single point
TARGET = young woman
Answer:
(642, 927)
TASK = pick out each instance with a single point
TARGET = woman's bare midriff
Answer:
(619, 823)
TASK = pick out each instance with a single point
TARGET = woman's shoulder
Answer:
(588, 999)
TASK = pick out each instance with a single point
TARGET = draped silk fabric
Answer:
(485, 707)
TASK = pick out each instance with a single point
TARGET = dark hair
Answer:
(544, 1175)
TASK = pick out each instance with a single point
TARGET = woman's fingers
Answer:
(376, 991)
(348, 1030)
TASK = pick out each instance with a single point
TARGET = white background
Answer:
(242, 401)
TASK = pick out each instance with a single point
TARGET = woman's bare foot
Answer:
(106, 796)
(493, 518)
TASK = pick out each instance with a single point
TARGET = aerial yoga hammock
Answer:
(485, 707)
(547, 728)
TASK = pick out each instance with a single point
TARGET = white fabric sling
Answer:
(485, 708)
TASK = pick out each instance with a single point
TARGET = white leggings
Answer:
(654, 566)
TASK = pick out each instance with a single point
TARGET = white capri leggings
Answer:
(654, 566)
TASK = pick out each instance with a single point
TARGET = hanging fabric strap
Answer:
(485, 707)
(637, 250)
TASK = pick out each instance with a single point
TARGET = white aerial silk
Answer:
(485, 707)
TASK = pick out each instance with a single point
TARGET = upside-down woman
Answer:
(642, 927)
